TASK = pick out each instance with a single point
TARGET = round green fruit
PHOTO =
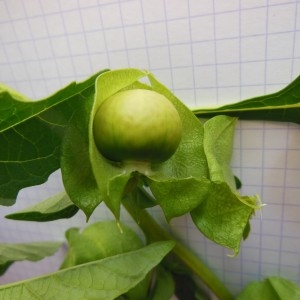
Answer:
(137, 126)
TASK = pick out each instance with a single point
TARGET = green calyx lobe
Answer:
(137, 125)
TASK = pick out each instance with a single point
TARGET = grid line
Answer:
(205, 64)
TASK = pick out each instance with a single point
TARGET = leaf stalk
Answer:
(154, 232)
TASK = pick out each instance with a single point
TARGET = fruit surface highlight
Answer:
(137, 126)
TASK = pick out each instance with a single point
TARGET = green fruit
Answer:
(137, 126)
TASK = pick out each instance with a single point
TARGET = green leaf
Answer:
(140, 291)
(99, 240)
(15, 94)
(10, 253)
(16, 108)
(283, 106)
(179, 196)
(104, 172)
(224, 215)
(164, 286)
(105, 279)
(218, 144)
(76, 166)
(56, 207)
(30, 136)
(189, 160)
(116, 191)
(273, 288)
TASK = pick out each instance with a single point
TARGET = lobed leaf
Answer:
(76, 165)
(30, 136)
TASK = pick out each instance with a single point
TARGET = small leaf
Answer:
(116, 188)
(283, 106)
(272, 288)
(54, 208)
(247, 230)
(104, 280)
(218, 144)
(179, 196)
(164, 286)
(10, 253)
(99, 240)
(238, 183)
(223, 216)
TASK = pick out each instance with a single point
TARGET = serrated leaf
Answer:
(31, 134)
(283, 106)
(10, 253)
(272, 288)
(54, 208)
(16, 108)
(105, 279)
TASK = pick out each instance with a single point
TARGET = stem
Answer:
(156, 233)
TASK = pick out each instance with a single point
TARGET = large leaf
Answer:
(104, 279)
(30, 136)
(10, 253)
(76, 167)
(283, 106)
(16, 108)
(272, 288)
(101, 240)
(56, 207)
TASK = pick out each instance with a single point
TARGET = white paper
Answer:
(207, 53)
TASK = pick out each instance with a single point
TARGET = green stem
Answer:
(155, 232)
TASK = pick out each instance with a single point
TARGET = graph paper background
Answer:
(207, 52)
